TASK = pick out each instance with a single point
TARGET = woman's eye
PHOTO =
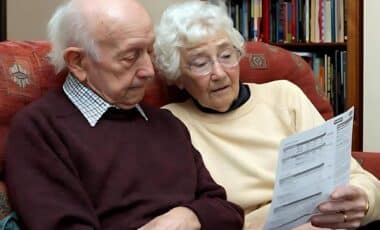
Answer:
(199, 64)
(226, 56)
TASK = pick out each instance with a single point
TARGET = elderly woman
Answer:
(238, 127)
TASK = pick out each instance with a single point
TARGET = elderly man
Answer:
(88, 156)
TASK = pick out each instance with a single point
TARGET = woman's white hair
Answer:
(185, 24)
(68, 27)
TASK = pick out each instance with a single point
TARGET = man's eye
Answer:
(131, 57)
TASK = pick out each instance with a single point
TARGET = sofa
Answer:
(26, 74)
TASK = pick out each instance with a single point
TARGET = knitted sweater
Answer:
(240, 148)
(64, 174)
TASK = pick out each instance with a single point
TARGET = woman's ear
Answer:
(75, 59)
(179, 83)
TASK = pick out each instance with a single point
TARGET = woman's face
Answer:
(210, 72)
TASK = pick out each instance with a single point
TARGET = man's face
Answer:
(124, 66)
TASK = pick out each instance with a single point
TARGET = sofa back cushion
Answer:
(264, 63)
(26, 74)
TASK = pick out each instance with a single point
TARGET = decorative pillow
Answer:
(25, 74)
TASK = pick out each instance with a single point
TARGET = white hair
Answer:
(185, 24)
(68, 27)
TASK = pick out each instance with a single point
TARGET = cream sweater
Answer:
(240, 148)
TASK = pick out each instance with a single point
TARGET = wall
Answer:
(27, 19)
(371, 81)
(155, 9)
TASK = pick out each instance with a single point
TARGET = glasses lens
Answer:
(203, 66)
(229, 57)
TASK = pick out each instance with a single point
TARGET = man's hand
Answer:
(345, 209)
(179, 218)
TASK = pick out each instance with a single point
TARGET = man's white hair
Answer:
(185, 24)
(68, 27)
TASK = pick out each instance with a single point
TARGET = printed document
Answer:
(310, 166)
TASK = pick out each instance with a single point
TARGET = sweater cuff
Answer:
(213, 216)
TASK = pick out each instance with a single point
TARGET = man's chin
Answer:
(130, 103)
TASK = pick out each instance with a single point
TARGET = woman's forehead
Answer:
(211, 43)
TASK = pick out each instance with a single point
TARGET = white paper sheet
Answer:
(311, 165)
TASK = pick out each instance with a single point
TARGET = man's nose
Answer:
(146, 70)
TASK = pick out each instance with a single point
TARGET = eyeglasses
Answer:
(202, 65)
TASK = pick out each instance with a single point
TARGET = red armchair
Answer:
(25, 75)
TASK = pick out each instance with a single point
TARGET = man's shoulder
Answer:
(51, 103)
(157, 112)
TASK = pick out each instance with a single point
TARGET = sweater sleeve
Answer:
(43, 189)
(366, 181)
(308, 117)
(210, 204)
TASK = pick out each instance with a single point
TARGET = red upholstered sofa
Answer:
(25, 75)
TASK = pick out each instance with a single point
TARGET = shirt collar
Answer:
(91, 105)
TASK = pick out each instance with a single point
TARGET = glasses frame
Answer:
(212, 63)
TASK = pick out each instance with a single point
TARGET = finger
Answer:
(335, 206)
(327, 219)
(350, 219)
(354, 216)
(348, 192)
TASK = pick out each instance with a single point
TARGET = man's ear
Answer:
(75, 59)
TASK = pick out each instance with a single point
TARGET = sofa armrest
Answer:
(369, 161)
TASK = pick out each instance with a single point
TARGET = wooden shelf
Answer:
(311, 44)
(354, 47)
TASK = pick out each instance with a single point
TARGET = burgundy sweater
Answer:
(63, 174)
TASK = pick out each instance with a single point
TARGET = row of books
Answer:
(330, 72)
(290, 20)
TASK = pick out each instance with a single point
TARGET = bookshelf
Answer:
(341, 42)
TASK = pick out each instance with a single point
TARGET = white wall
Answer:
(156, 7)
(371, 81)
(27, 19)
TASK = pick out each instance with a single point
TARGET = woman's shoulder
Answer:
(282, 85)
(274, 89)
(179, 106)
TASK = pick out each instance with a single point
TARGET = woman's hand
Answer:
(345, 209)
(179, 218)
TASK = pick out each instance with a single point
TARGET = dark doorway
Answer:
(3, 20)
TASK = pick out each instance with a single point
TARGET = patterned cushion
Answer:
(25, 75)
